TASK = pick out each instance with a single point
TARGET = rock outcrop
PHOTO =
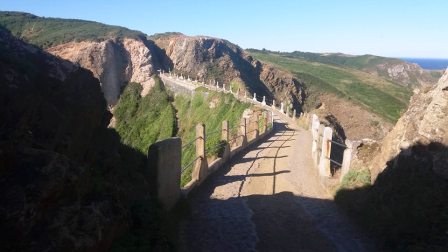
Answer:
(425, 123)
(211, 59)
(59, 163)
(115, 62)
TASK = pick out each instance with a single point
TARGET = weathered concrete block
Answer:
(200, 167)
(347, 158)
(324, 164)
(164, 165)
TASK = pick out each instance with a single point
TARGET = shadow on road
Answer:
(276, 222)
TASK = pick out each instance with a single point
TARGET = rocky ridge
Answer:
(211, 59)
(423, 124)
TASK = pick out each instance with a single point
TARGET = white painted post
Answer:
(315, 134)
(324, 164)
(217, 86)
(255, 97)
(281, 108)
(272, 118)
(273, 104)
(347, 158)
(264, 101)
(294, 114)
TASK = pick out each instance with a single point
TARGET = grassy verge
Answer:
(210, 108)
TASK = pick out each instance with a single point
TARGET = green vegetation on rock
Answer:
(47, 32)
(381, 96)
(141, 121)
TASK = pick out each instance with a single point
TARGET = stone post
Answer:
(200, 168)
(282, 108)
(164, 168)
(217, 86)
(225, 136)
(255, 97)
(315, 134)
(244, 131)
(273, 104)
(294, 114)
(264, 101)
(264, 123)
(324, 164)
(225, 131)
(287, 111)
(256, 128)
(347, 158)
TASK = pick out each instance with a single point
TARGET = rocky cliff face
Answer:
(211, 59)
(58, 161)
(404, 73)
(115, 62)
(424, 124)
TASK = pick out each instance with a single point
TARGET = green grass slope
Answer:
(378, 95)
(141, 121)
(47, 32)
(210, 108)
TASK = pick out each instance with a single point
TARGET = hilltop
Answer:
(396, 70)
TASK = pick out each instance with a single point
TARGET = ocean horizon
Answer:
(428, 63)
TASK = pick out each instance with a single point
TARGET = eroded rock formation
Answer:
(115, 62)
(425, 123)
(211, 59)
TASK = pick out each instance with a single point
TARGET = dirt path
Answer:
(269, 199)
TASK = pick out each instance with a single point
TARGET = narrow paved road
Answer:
(269, 199)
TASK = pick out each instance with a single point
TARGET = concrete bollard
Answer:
(200, 168)
(315, 134)
(264, 101)
(255, 97)
(324, 164)
(243, 132)
(255, 127)
(346, 159)
(225, 137)
(225, 131)
(164, 166)
(282, 109)
(264, 125)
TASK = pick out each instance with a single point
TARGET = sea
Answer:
(429, 64)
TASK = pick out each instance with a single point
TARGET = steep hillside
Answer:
(397, 70)
(67, 182)
(115, 55)
(406, 206)
(211, 59)
(48, 32)
(378, 95)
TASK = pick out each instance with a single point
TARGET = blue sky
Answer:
(397, 28)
